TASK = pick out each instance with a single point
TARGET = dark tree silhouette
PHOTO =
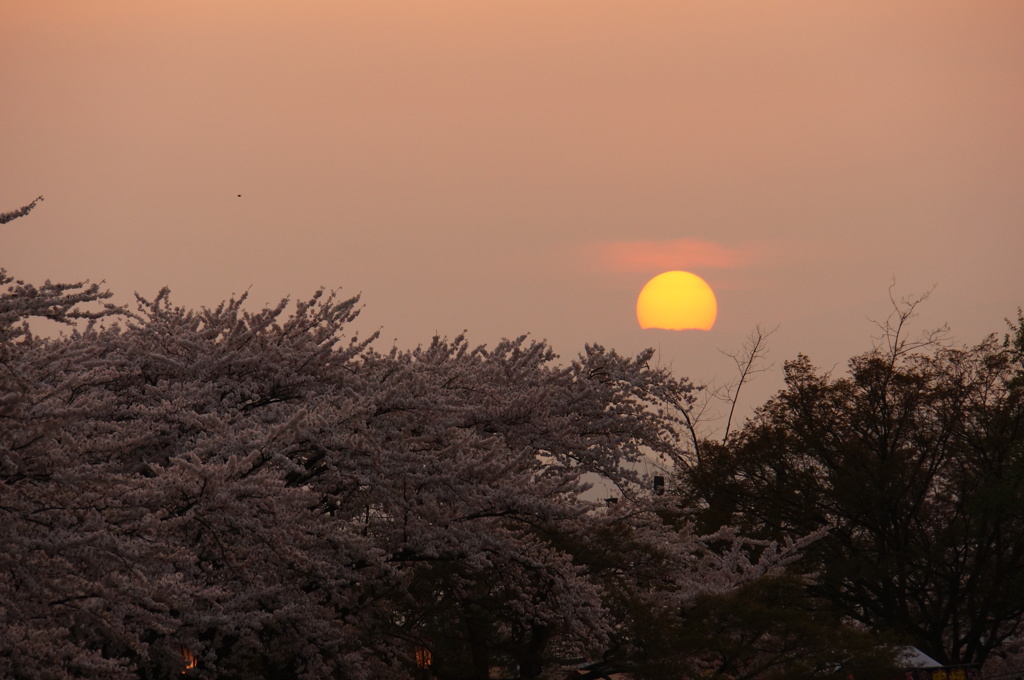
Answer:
(914, 459)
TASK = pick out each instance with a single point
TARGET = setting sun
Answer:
(677, 301)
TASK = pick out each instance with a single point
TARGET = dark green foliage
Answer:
(915, 460)
(769, 629)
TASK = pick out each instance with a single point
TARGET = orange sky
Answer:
(472, 165)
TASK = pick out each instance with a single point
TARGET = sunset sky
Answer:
(509, 167)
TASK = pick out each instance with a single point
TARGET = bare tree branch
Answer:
(748, 362)
(893, 341)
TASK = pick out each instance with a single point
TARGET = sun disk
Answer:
(677, 301)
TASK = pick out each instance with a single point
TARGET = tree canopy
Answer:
(914, 460)
(237, 494)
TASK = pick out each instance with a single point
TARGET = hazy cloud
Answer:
(681, 253)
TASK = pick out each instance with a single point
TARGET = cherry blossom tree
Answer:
(19, 212)
(234, 494)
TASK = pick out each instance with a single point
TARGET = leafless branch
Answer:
(749, 361)
(893, 340)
